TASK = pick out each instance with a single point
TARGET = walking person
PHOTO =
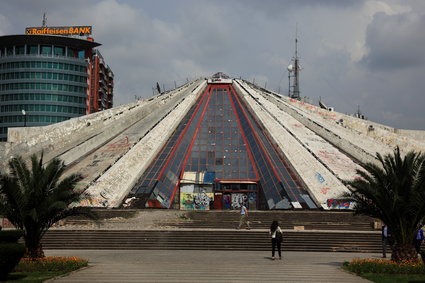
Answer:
(419, 239)
(276, 236)
(243, 217)
(386, 240)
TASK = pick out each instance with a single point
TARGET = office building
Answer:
(47, 78)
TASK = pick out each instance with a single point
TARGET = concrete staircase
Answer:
(210, 240)
(215, 230)
(307, 220)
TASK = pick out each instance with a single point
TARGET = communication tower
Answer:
(293, 73)
(44, 22)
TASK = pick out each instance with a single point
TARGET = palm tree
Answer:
(393, 192)
(34, 199)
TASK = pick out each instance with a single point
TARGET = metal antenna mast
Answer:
(44, 23)
(294, 90)
(296, 93)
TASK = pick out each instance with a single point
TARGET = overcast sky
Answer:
(364, 53)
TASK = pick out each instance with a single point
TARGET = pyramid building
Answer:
(214, 144)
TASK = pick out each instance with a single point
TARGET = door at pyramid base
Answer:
(233, 195)
(221, 196)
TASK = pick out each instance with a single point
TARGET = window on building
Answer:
(32, 49)
(9, 51)
(72, 52)
(59, 51)
(46, 50)
(20, 50)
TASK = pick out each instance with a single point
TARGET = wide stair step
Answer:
(311, 220)
(210, 240)
(215, 230)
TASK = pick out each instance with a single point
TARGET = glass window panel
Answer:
(58, 51)
(20, 50)
(195, 154)
(72, 53)
(46, 50)
(9, 51)
(32, 49)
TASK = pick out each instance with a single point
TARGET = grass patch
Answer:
(44, 268)
(386, 271)
(394, 278)
(129, 214)
(184, 217)
(187, 215)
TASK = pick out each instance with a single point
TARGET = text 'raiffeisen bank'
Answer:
(75, 30)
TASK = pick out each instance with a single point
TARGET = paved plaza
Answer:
(209, 266)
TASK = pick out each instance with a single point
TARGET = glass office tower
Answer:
(44, 79)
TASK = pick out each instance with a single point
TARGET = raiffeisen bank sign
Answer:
(75, 30)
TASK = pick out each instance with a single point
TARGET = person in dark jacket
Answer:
(276, 241)
(387, 240)
(419, 239)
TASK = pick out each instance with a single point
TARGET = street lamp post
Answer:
(25, 117)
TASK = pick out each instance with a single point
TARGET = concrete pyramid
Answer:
(213, 144)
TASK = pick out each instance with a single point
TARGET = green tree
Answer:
(35, 198)
(394, 192)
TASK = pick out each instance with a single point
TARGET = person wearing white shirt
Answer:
(244, 217)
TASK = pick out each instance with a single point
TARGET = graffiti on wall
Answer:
(339, 204)
(319, 177)
(237, 199)
(202, 200)
(315, 109)
(339, 163)
(118, 146)
(186, 201)
(196, 201)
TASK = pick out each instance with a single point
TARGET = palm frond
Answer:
(393, 192)
(34, 199)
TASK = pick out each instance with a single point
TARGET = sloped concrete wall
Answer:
(364, 135)
(321, 183)
(361, 149)
(32, 140)
(93, 164)
(341, 165)
(106, 133)
(115, 184)
(414, 134)
(73, 138)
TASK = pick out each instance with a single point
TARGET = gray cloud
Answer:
(166, 41)
(395, 41)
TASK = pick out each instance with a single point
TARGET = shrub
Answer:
(10, 254)
(10, 236)
(63, 264)
(360, 266)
